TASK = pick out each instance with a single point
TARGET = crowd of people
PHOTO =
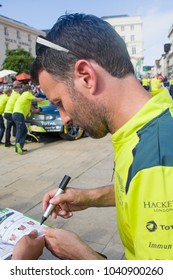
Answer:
(16, 103)
(152, 83)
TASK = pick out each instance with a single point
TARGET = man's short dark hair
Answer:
(87, 37)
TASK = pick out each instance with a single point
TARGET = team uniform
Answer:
(3, 101)
(143, 150)
(171, 87)
(8, 116)
(146, 83)
(21, 110)
(155, 84)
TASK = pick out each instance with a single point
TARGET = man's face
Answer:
(74, 106)
(19, 89)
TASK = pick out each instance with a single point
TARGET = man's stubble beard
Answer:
(88, 115)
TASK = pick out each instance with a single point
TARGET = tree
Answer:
(18, 60)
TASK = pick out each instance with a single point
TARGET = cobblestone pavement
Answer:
(89, 162)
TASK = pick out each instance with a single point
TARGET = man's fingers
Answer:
(46, 199)
(50, 232)
(65, 214)
(63, 210)
(33, 234)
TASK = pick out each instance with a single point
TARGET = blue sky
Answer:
(157, 16)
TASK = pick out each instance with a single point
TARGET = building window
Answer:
(122, 27)
(29, 38)
(6, 46)
(133, 50)
(132, 38)
(18, 34)
(6, 31)
(131, 27)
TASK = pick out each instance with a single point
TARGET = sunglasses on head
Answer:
(41, 41)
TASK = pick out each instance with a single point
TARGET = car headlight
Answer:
(45, 117)
(48, 117)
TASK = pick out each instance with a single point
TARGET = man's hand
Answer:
(66, 203)
(67, 245)
(35, 110)
(74, 199)
(29, 247)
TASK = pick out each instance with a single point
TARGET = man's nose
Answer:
(64, 117)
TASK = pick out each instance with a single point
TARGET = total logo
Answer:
(152, 226)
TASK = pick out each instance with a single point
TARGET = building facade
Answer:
(130, 29)
(169, 67)
(164, 65)
(16, 35)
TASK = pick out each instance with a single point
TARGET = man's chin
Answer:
(94, 136)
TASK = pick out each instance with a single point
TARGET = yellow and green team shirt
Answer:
(23, 103)
(145, 81)
(3, 101)
(11, 101)
(143, 150)
(155, 85)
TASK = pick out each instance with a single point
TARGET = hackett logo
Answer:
(158, 204)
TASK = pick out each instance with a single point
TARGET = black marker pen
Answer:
(60, 190)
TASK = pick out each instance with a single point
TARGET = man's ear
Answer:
(85, 76)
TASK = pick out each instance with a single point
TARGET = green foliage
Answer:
(18, 60)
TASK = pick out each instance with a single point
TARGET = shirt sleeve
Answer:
(150, 212)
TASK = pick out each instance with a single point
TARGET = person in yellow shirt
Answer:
(171, 86)
(22, 107)
(171, 80)
(17, 90)
(154, 85)
(146, 83)
(3, 101)
(88, 82)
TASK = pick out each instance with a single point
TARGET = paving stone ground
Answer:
(24, 179)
